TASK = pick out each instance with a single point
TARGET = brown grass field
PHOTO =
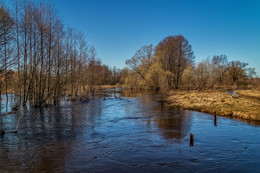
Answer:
(245, 105)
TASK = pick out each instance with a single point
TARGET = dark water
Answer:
(133, 133)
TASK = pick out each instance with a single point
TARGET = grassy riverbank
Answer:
(245, 105)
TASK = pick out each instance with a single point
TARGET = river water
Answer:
(126, 132)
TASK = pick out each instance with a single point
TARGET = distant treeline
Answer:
(41, 60)
(170, 65)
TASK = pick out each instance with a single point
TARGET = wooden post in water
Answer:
(2, 133)
(191, 139)
(215, 119)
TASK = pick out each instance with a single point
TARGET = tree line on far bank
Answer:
(41, 60)
(170, 66)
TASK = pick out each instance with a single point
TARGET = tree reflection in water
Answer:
(173, 123)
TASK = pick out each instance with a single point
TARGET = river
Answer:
(126, 131)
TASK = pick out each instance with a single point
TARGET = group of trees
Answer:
(217, 72)
(170, 65)
(41, 60)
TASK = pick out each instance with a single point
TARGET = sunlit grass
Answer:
(246, 105)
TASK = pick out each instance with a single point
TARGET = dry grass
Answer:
(249, 93)
(245, 106)
(102, 87)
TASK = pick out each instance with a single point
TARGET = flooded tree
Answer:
(6, 59)
(48, 60)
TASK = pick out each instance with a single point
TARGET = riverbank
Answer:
(104, 87)
(245, 104)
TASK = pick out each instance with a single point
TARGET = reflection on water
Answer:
(7, 102)
(174, 124)
(126, 131)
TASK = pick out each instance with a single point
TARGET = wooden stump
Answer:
(191, 139)
(2, 132)
(215, 119)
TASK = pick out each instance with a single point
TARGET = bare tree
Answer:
(250, 73)
(236, 71)
(141, 61)
(52, 60)
(175, 53)
(188, 77)
(219, 67)
(203, 75)
(6, 36)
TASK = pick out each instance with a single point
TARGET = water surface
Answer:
(126, 132)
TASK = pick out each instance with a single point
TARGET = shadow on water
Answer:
(126, 131)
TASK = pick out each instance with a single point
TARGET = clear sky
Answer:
(117, 28)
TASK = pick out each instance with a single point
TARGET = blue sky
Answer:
(117, 28)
